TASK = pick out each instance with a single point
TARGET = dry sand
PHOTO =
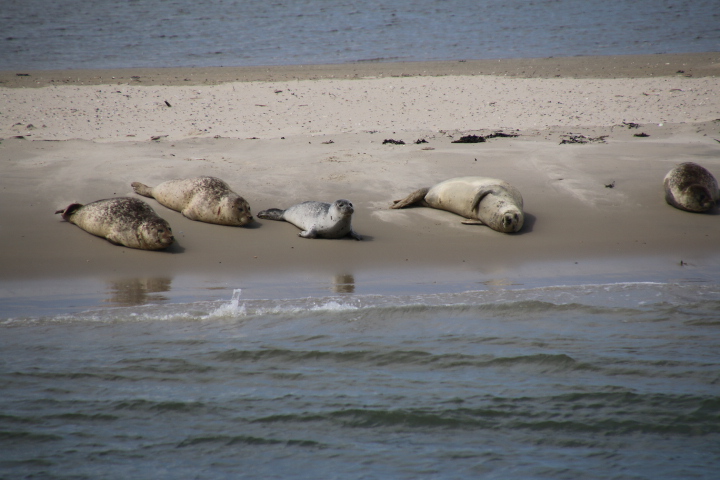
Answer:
(283, 135)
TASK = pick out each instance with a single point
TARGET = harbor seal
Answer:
(691, 187)
(122, 221)
(486, 201)
(317, 219)
(205, 199)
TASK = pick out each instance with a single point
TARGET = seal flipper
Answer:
(69, 210)
(482, 193)
(354, 235)
(309, 233)
(142, 189)
(417, 196)
(272, 214)
(473, 222)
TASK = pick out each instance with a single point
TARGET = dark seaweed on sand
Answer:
(481, 139)
(583, 139)
(501, 135)
(470, 139)
(393, 142)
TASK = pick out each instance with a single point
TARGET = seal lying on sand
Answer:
(317, 219)
(123, 221)
(483, 200)
(205, 199)
(691, 187)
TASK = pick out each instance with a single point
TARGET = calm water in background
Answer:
(39, 34)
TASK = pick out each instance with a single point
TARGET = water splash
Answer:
(231, 309)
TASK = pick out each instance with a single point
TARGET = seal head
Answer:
(691, 187)
(505, 218)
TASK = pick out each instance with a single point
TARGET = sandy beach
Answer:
(282, 135)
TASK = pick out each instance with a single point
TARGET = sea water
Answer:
(617, 380)
(71, 34)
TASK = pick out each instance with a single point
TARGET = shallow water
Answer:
(613, 380)
(37, 34)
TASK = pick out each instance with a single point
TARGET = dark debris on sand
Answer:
(582, 139)
(481, 138)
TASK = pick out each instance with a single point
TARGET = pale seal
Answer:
(122, 221)
(205, 199)
(317, 219)
(483, 200)
(691, 187)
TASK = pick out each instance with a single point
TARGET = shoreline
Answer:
(705, 64)
(278, 143)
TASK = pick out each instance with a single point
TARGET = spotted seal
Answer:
(205, 199)
(482, 200)
(122, 221)
(691, 187)
(317, 219)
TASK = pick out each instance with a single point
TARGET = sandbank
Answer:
(282, 135)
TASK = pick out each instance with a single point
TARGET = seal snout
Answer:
(164, 234)
(701, 195)
(345, 207)
(242, 214)
(512, 222)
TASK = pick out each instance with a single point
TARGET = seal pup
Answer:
(317, 219)
(485, 201)
(691, 187)
(205, 199)
(122, 221)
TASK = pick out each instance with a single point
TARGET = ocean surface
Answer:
(616, 380)
(70, 34)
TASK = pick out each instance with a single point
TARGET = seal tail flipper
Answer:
(69, 210)
(417, 196)
(142, 189)
(271, 214)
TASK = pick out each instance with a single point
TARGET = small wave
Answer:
(83, 417)
(14, 436)
(604, 414)
(629, 299)
(541, 362)
(149, 405)
(244, 440)
(235, 309)
(696, 304)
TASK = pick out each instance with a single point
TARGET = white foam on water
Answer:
(611, 295)
(230, 309)
(234, 308)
